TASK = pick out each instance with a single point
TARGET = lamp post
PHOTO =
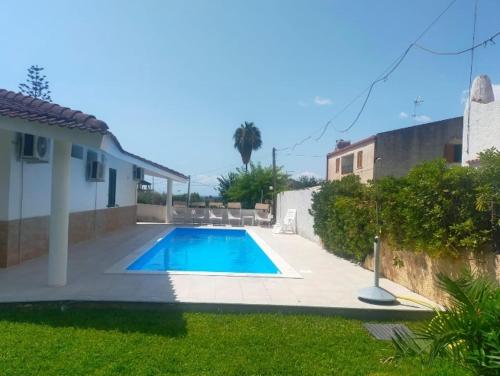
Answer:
(376, 294)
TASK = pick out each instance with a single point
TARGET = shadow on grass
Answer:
(113, 318)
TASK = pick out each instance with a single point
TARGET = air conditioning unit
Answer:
(138, 173)
(95, 171)
(34, 149)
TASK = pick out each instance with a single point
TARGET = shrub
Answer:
(344, 217)
(468, 331)
(435, 209)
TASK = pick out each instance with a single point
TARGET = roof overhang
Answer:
(76, 136)
(96, 140)
(150, 168)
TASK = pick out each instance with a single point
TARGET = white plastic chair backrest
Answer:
(234, 205)
(215, 213)
(290, 216)
(262, 207)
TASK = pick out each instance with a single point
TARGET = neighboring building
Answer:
(482, 127)
(394, 153)
(65, 174)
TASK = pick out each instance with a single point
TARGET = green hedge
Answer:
(435, 209)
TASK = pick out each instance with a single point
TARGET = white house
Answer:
(64, 178)
(482, 126)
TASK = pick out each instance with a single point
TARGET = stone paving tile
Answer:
(327, 280)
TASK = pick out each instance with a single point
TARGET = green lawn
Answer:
(47, 341)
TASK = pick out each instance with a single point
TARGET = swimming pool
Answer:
(206, 250)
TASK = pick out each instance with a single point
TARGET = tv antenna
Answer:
(417, 102)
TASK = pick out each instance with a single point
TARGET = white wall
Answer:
(5, 142)
(300, 200)
(484, 129)
(481, 128)
(87, 195)
(30, 184)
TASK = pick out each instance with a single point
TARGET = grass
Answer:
(80, 341)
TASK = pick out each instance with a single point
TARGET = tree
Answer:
(225, 182)
(304, 181)
(253, 186)
(37, 85)
(247, 138)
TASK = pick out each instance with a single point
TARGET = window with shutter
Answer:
(449, 152)
(337, 165)
(453, 153)
(359, 160)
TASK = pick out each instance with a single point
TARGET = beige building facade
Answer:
(394, 153)
(357, 158)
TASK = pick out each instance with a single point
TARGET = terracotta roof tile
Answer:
(17, 105)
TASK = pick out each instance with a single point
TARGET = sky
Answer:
(174, 79)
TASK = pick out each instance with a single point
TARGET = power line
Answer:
(484, 43)
(470, 71)
(383, 77)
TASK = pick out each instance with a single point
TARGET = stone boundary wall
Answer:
(151, 213)
(22, 240)
(417, 271)
(156, 214)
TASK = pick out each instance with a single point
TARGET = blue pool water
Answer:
(206, 250)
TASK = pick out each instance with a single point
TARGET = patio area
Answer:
(327, 283)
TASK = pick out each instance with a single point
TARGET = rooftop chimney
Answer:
(482, 90)
(340, 144)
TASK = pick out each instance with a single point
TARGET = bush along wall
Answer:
(435, 209)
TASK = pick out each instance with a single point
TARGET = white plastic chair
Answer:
(262, 214)
(289, 225)
(213, 217)
(234, 212)
(179, 214)
(198, 213)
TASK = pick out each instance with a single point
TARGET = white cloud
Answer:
(496, 91)
(322, 101)
(423, 118)
(418, 118)
(464, 97)
(302, 103)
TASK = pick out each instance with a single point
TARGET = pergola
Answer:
(19, 113)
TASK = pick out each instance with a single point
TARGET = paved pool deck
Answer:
(327, 284)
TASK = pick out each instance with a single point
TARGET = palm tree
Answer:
(247, 139)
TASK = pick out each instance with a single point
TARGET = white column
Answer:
(59, 213)
(169, 201)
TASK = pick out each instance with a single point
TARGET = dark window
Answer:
(77, 151)
(91, 156)
(457, 153)
(359, 159)
(453, 153)
(337, 165)
(112, 188)
(347, 164)
(29, 145)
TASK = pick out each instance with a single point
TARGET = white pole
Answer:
(376, 260)
(59, 214)
(169, 201)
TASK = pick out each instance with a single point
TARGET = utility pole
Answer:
(188, 198)
(274, 185)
